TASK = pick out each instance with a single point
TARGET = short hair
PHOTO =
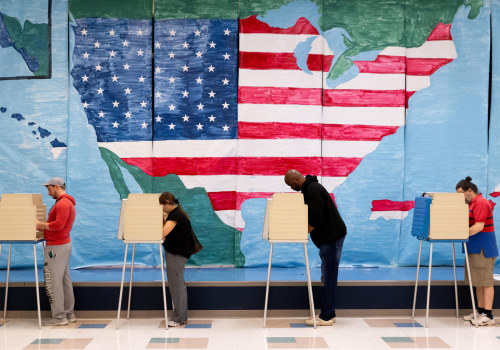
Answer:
(466, 184)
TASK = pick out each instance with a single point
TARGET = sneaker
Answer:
(71, 318)
(483, 320)
(320, 321)
(470, 317)
(175, 324)
(55, 322)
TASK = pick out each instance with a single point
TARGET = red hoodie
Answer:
(61, 218)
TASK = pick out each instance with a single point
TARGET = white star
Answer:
(115, 104)
(211, 68)
(200, 106)
(212, 45)
(185, 93)
(143, 104)
(171, 55)
(199, 126)
(144, 125)
(199, 54)
(198, 80)
(85, 104)
(225, 105)
(128, 115)
(158, 119)
(171, 80)
(158, 94)
(99, 91)
(185, 68)
(84, 31)
(157, 45)
(171, 126)
(185, 45)
(98, 67)
(225, 81)
(97, 44)
(226, 56)
(171, 107)
(172, 32)
(197, 32)
(125, 43)
(226, 128)
(114, 78)
(227, 31)
(85, 78)
(112, 32)
(139, 32)
(85, 55)
(211, 93)
(112, 54)
(127, 91)
(141, 79)
(140, 52)
(126, 66)
(211, 118)
(185, 118)
(157, 70)
(101, 114)
(115, 124)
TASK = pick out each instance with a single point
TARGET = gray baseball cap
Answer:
(55, 181)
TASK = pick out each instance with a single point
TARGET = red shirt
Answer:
(61, 218)
(480, 210)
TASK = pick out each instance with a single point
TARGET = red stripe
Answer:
(425, 66)
(386, 205)
(282, 60)
(279, 95)
(252, 25)
(441, 32)
(408, 95)
(270, 166)
(364, 98)
(276, 130)
(382, 65)
(495, 194)
(232, 200)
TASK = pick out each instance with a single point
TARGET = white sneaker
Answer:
(320, 322)
(55, 322)
(483, 320)
(470, 317)
(71, 318)
(175, 324)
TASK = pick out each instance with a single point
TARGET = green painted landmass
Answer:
(196, 9)
(132, 9)
(260, 7)
(33, 38)
(221, 242)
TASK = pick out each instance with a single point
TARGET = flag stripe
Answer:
(400, 64)
(253, 25)
(282, 60)
(441, 32)
(388, 205)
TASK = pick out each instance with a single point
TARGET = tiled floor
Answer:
(346, 333)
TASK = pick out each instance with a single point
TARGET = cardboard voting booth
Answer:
(18, 215)
(441, 216)
(141, 218)
(285, 218)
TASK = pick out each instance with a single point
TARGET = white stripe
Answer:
(373, 81)
(258, 113)
(357, 149)
(277, 43)
(232, 218)
(416, 82)
(389, 215)
(129, 149)
(430, 49)
(279, 148)
(281, 78)
(388, 116)
(195, 148)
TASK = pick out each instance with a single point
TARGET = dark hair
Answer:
(466, 184)
(169, 198)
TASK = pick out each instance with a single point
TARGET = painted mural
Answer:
(383, 100)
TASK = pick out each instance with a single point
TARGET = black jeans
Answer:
(330, 258)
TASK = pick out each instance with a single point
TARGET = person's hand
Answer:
(40, 226)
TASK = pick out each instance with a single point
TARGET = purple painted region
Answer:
(3, 109)
(31, 123)
(43, 132)
(17, 116)
(57, 143)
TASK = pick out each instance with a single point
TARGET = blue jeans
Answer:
(330, 258)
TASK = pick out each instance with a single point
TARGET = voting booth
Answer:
(18, 215)
(285, 221)
(441, 218)
(141, 221)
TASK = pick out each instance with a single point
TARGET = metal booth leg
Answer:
(428, 289)
(130, 284)
(309, 286)
(267, 283)
(455, 276)
(7, 285)
(121, 285)
(163, 286)
(470, 284)
(37, 290)
(416, 281)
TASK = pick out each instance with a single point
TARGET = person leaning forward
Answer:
(57, 253)
(327, 230)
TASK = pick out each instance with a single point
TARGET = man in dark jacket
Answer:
(327, 231)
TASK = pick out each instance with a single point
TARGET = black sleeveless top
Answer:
(180, 240)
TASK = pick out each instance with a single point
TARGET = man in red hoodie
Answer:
(57, 252)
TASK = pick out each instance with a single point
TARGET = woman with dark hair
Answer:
(481, 250)
(178, 245)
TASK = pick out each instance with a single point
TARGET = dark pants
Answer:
(330, 258)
